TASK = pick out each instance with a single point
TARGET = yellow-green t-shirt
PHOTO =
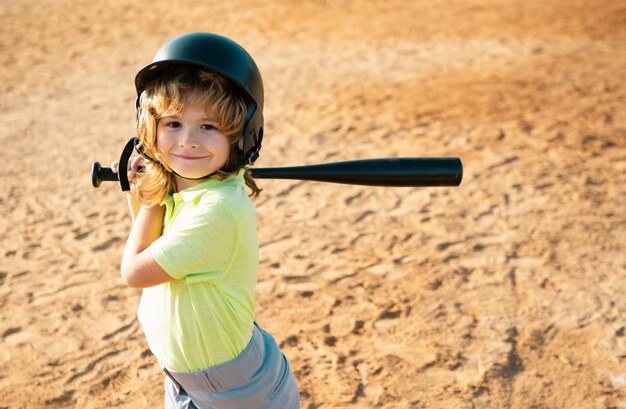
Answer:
(209, 245)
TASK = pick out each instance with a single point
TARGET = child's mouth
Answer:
(189, 157)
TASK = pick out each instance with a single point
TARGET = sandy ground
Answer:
(506, 292)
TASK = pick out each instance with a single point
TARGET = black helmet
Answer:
(224, 56)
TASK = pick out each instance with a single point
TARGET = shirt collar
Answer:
(194, 192)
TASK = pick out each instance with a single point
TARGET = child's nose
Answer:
(188, 139)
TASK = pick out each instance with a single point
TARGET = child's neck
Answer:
(183, 183)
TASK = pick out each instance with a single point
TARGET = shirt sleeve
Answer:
(200, 245)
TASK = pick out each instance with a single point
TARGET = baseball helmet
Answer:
(223, 56)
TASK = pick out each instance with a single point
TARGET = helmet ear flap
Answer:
(250, 141)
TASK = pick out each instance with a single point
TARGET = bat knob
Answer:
(100, 174)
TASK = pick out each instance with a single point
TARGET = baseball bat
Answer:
(391, 172)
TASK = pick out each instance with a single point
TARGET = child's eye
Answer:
(173, 124)
(208, 127)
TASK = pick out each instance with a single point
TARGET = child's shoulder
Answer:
(234, 197)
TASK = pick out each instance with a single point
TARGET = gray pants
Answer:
(258, 378)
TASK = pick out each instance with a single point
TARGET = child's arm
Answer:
(132, 197)
(133, 204)
(139, 268)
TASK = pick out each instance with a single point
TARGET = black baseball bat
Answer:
(391, 172)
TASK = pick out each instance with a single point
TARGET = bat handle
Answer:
(100, 174)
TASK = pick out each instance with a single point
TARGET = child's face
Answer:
(191, 144)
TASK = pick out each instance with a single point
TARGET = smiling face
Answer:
(188, 121)
(191, 144)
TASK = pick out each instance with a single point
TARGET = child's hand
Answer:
(134, 165)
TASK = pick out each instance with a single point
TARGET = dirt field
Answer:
(506, 292)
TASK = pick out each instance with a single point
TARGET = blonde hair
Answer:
(168, 95)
